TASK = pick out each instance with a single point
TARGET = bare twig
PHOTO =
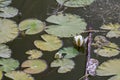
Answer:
(88, 52)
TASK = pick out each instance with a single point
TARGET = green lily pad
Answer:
(1, 75)
(34, 54)
(114, 30)
(75, 3)
(50, 43)
(67, 25)
(115, 33)
(65, 65)
(19, 75)
(110, 26)
(8, 30)
(4, 3)
(5, 52)
(34, 66)
(8, 12)
(31, 26)
(69, 52)
(105, 48)
(110, 68)
(107, 52)
(8, 64)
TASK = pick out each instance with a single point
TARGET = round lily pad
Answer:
(50, 43)
(34, 66)
(75, 3)
(31, 26)
(5, 52)
(34, 54)
(8, 12)
(65, 65)
(110, 68)
(69, 52)
(4, 3)
(67, 25)
(8, 30)
(19, 75)
(8, 65)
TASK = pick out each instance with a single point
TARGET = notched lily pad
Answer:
(31, 26)
(114, 30)
(65, 65)
(19, 75)
(4, 3)
(8, 64)
(5, 52)
(8, 30)
(8, 12)
(75, 3)
(68, 52)
(34, 54)
(110, 68)
(34, 66)
(67, 25)
(50, 43)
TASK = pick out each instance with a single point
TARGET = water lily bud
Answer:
(58, 55)
(79, 40)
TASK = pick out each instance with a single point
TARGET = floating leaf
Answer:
(19, 75)
(8, 30)
(34, 54)
(108, 68)
(75, 3)
(4, 3)
(34, 66)
(1, 75)
(107, 52)
(114, 30)
(105, 48)
(65, 65)
(8, 12)
(50, 43)
(68, 25)
(5, 52)
(115, 33)
(69, 52)
(8, 64)
(32, 26)
(111, 26)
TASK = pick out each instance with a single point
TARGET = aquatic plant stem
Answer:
(88, 52)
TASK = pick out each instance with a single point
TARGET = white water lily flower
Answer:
(79, 40)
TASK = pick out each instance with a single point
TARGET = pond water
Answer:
(98, 13)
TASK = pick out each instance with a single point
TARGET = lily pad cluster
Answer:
(105, 48)
(7, 11)
(114, 30)
(63, 59)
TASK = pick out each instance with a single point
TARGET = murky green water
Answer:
(39, 9)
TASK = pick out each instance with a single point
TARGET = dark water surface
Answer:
(98, 13)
